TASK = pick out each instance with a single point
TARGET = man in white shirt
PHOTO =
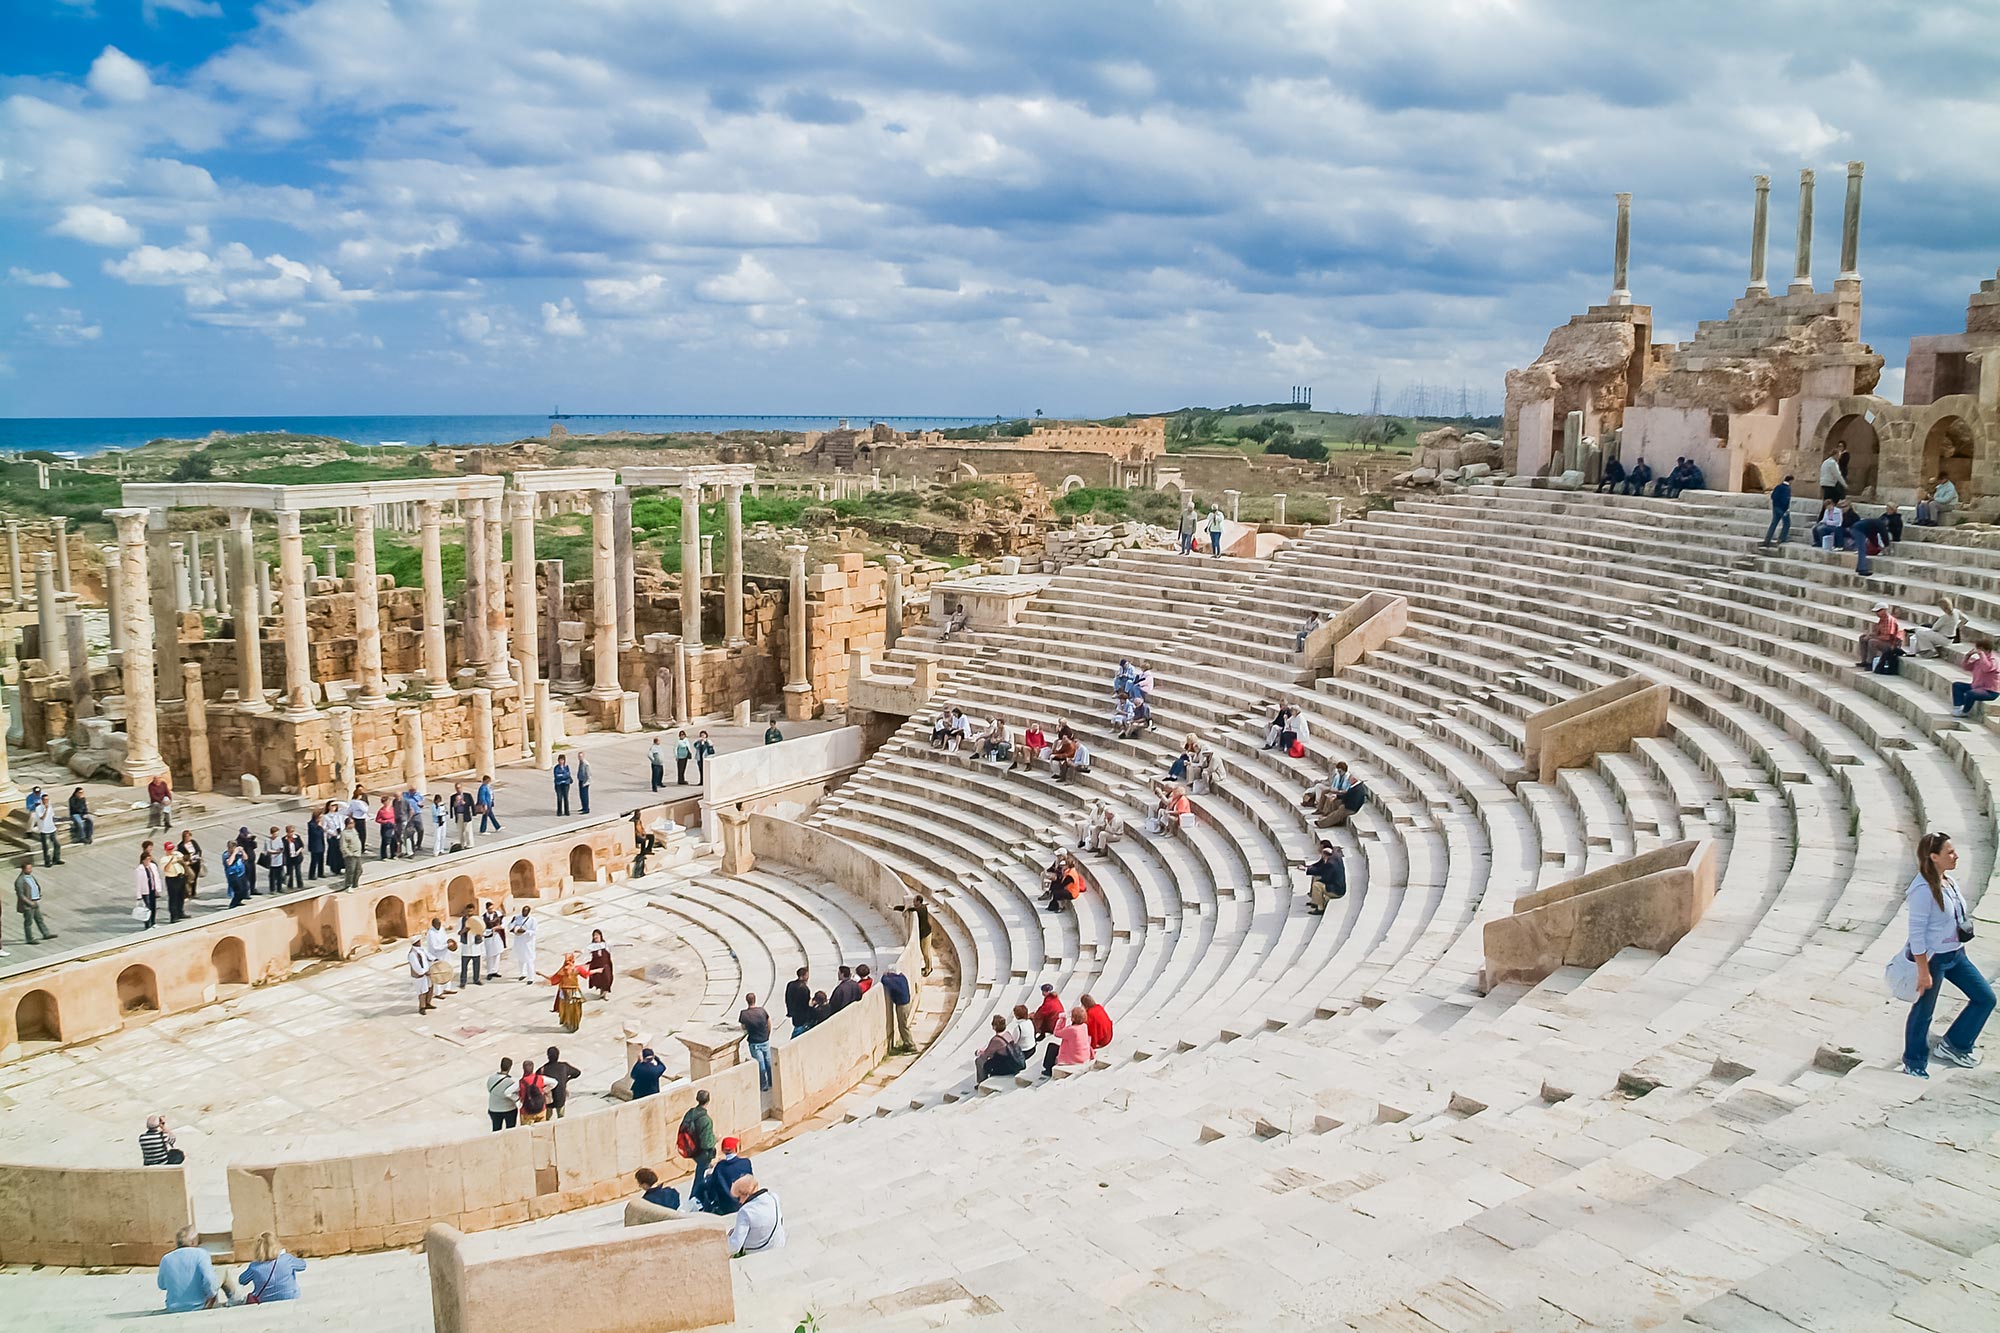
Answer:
(1832, 484)
(521, 934)
(759, 1223)
(439, 947)
(418, 965)
(1103, 828)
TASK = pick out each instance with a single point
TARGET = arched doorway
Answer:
(460, 894)
(1071, 483)
(391, 921)
(583, 863)
(1948, 449)
(521, 880)
(36, 1018)
(231, 964)
(1854, 435)
(138, 990)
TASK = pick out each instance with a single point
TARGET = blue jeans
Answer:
(1963, 696)
(1781, 527)
(1963, 973)
(760, 1051)
(1215, 543)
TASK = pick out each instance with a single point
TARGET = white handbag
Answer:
(1901, 977)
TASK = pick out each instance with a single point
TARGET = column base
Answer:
(143, 768)
(798, 702)
(366, 700)
(1799, 289)
(253, 705)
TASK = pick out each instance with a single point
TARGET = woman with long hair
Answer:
(1940, 925)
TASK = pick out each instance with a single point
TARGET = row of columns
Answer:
(58, 553)
(1850, 233)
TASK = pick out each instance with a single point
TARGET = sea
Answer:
(94, 435)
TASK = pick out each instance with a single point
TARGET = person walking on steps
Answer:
(489, 813)
(696, 1142)
(1940, 927)
(1780, 530)
(1832, 481)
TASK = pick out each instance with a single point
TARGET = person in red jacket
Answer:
(1050, 1017)
(1099, 1023)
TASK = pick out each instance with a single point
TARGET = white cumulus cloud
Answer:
(29, 278)
(95, 224)
(749, 283)
(561, 321)
(117, 77)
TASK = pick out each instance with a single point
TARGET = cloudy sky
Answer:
(934, 206)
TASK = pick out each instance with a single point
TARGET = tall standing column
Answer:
(59, 541)
(798, 684)
(48, 620)
(1850, 226)
(114, 595)
(472, 606)
(1760, 231)
(143, 761)
(621, 515)
(1621, 252)
(249, 628)
(604, 597)
(437, 670)
(194, 724)
(292, 610)
(892, 601)
(527, 621)
(1802, 267)
(178, 554)
(14, 575)
(166, 619)
(499, 663)
(367, 609)
(691, 565)
(732, 568)
(223, 581)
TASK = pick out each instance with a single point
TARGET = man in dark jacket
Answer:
(844, 994)
(799, 1003)
(558, 1073)
(698, 1127)
(1327, 877)
(896, 987)
(1780, 530)
(724, 1177)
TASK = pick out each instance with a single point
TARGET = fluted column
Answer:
(292, 613)
(604, 596)
(437, 669)
(367, 609)
(55, 659)
(499, 664)
(143, 761)
(1802, 265)
(1621, 252)
(1760, 230)
(472, 606)
(795, 668)
(691, 565)
(1850, 226)
(114, 595)
(732, 569)
(627, 568)
(249, 630)
(527, 627)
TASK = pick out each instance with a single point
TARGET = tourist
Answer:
(160, 802)
(703, 748)
(1189, 521)
(1021, 1032)
(598, 971)
(462, 809)
(1939, 928)
(150, 885)
(357, 807)
(1323, 797)
(1873, 536)
(1098, 1022)
(920, 909)
(864, 979)
(1830, 533)
(559, 1073)
(760, 1222)
(1069, 757)
(683, 751)
(896, 989)
(1101, 829)
(533, 1095)
(582, 784)
(992, 742)
(696, 1142)
(644, 844)
(315, 848)
(188, 1277)
(1984, 685)
(1880, 640)
(295, 858)
(1941, 633)
(941, 732)
(1121, 717)
(1326, 878)
(273, 1273)
(820, 1009)
(156, 1144)
(1636, 479)
(419, 964)
(271, 856)
(798, 1003)
(771, 733)
(1215, 522)
(1307, 630)
(653, 1192)
(236, 874)
(1049, 1016)
(440, 945)
(492, 941)
(489, 809)
(353, 851)
(471, 950)
(28, 902)
(1944, 499)
(1832, 481)
(656, 759)
(729, 1169)
(756, 1025)
(1171, 810)
(568, 1006)
(562, 778)
(409, 823)
(193, 856)
(1125, 679)
(437, 816)
(385, 830)
(1780, 530)
(1071, 1046)
(955, 621)
(1065, 882)
(503, 1096)
(1274, 734)
(1614, 473)
(44, 819)
(82, 827)
(999, 1057)
(845, 992)
(332, 819)
(647, 1071)
(521, 930)
(1028, 753)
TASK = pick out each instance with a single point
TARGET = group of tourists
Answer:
(174, 874)
(190, 1281)
(40, 808)
(698, 750)
(1886, 642)
(538, 1093)
(1056, 1035)
(1192, 523)
(720, 1187)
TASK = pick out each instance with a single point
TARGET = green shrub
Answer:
(1307, 448)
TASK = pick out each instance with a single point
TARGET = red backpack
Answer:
(686, 1144)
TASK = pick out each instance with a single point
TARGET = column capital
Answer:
(57, 522)
(131, 523)
(432, 510)
(520, 504)
(239, 519)
(288, 522)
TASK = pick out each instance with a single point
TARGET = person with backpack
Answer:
(896, 987)
(1001, 1057)
(533, 1095)
(503, 1100)
(696, 1142)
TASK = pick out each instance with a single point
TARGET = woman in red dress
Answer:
(600, 969)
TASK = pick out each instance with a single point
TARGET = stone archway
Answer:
(391, 919)
(460, 894)
(37, 1017)
(521, 880)
(1070, 483)
(230, 962)
(1950, 443)
(583, 863)
(1854, 434)
(138, 991)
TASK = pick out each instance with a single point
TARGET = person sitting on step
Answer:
(1933, 639)
(1274, 735)
(1884, 635)
(1065, 881)
(1323, 797)
(1614, 475)
(1966, 695)
(1101, 829)
(1034, 743)
(1327, 877)
(999, 1057)
(1072, 1045)
(1636, 479)
(993, 740)
(1171, 808)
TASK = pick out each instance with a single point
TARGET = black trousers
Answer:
(659, 776)
(583, 798)
(503, 1119)
(562, 800)
(176, 898)
(680, 771)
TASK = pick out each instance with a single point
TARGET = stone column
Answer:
(437, 669)
(114, 599)
(164, 606)
(1278, 507)
(691, 566)
(142, 721)
(798, 684)
(1802, 268)
(552, 571)
(482, 731)
(732, 569)
(367, 609)
(604, 596)
(343, 749)
(708, 555)
(201, 763)
(499, 664)
(249, 628)
(1235, 499)
(412, 720)
(1760, 227)
(76, 652)
(1621, 252)
(1850, 227)
(182, 600)
(472, 605)
(892, 601)
(332, 560)
(47, 618)
(59, 543)
(265, 603)
(526, 640)
(222, 580)
(621, 519)
(15, 578)
(292, 593)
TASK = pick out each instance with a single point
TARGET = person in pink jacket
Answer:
(1071, 1046)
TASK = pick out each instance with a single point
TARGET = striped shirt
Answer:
(153, 1147)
